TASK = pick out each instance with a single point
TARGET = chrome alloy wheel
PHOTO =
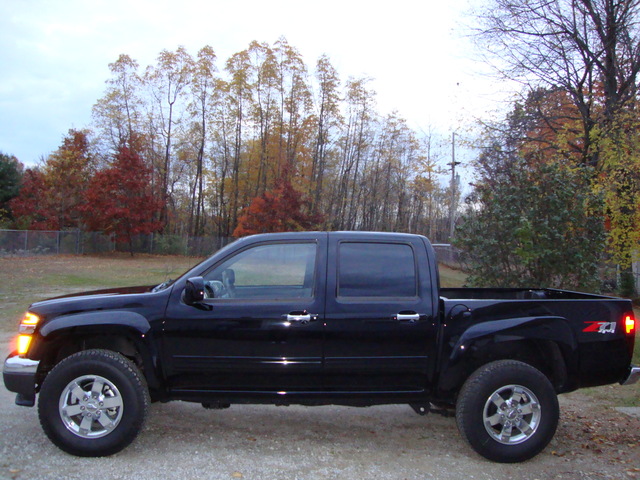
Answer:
(91, 406)
(512, 414)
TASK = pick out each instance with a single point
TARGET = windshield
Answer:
(163, 285)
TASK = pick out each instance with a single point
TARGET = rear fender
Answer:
(552, 333)
(525, 328)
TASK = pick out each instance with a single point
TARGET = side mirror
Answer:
(194, 291)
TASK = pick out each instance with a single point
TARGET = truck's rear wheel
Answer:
(508, 411)
(93, 403)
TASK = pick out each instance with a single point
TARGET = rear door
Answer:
(380, 328)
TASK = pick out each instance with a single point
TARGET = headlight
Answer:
(28, 323)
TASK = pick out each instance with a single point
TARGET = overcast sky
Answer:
(55, 55)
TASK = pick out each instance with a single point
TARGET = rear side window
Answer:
(376, 270)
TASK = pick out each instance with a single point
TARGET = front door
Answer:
(261, 327)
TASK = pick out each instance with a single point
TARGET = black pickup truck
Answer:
(345, 318)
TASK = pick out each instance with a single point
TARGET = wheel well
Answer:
(544, 355)
(115, 343)
(57, 349)
(69, 345)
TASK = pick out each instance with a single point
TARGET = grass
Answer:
(28, 279)
(450, 278)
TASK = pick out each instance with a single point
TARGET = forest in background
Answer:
(264, 143)
(261, 143)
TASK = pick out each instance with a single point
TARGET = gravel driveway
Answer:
(185, 441)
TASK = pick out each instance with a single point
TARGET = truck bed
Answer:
(595, 346)
(516, 294)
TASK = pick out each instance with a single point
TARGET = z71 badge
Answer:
(600, 327)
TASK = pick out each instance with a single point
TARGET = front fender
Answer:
(112, 317)
(131, 327)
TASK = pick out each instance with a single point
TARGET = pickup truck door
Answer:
(380, 327)
(261, 328)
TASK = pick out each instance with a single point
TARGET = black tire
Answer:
(103, 421)
(508, 411)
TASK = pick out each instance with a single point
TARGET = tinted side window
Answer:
(272, 271)
(376, 270)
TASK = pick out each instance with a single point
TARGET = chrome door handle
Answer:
(408, 317)
(302, 318)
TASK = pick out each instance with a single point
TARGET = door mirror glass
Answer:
(194, 291)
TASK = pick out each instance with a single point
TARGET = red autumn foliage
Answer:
(119, 200)
(31, 207)
(279, 210)
(554, 127)
(51, 196)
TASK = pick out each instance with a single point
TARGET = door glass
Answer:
(275, 271)
(376, 270)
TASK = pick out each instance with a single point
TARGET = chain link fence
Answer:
(450, 256)
(36, 242)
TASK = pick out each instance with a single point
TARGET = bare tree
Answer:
(167, 82)
(328, 118)
(202, 89)
(118, 113)
(590, 48)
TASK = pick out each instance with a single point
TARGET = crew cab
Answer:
(317, 318)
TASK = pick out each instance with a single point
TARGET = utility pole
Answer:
(452, 207)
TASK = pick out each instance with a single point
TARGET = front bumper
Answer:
(20, 376)
(632, 377)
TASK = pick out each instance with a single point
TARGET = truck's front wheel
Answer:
(93, 403)
(508, 411)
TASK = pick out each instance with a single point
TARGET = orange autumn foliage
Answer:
(282, 209)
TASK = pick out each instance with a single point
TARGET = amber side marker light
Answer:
(23, 344)
(629, 324)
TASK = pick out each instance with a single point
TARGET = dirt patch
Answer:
(597, 435)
